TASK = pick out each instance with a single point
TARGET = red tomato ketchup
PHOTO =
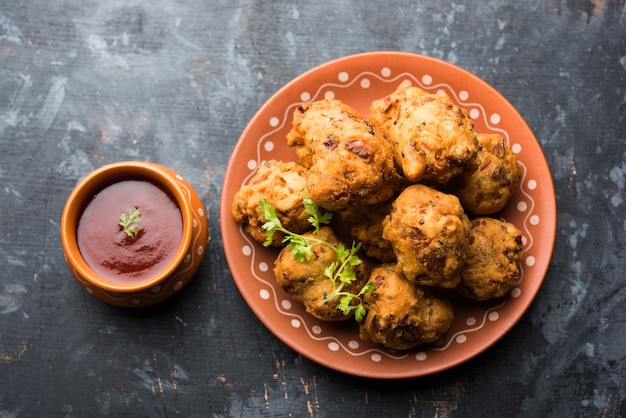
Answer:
(110, 251)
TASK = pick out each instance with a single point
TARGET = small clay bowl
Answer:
(167, 280)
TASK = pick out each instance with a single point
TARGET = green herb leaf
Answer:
(316, 218)
(340, 272)
(130, 222)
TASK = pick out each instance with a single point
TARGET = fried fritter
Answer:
(349, 163)
(283, 184)
(432, 137)
(366, 226)
(429, 231)
(492, 266)
(487, 189)
(400, 314)
(305, 280)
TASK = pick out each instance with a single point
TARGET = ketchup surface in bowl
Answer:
(113, 253)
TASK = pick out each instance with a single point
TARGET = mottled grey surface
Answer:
(85, 83)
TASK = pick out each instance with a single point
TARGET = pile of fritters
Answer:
(416, 185)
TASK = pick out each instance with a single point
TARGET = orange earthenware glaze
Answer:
(183, 253)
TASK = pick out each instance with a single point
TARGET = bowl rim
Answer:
(95, 181)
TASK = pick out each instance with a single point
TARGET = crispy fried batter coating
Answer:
(283, 184)
(366, 226)
(487, 189)
(305, 280)
(492, 266)
(429, 233)
(400, 314)
(349, 163)
(432, 137)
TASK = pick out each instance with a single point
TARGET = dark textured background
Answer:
(85, 83)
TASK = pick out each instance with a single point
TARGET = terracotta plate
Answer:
(358, 80)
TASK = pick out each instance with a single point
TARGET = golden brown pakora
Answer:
(400, 314)
(432, 137)
(493, 257)
(306, 282)
(283, 184)
(429, 231)
(349, 163)
(487, 189)
(366, 226)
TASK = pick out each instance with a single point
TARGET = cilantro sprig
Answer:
(340, 272)
(130, 222)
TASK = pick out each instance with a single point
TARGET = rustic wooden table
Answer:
(85, 83)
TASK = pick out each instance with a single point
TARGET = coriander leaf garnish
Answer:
(340, 272)
(315, 217)
(130, 222)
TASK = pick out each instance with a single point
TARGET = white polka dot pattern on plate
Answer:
(376, 358)
(477, 111)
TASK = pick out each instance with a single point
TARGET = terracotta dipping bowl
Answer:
(184, 260)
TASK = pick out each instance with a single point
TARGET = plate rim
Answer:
(549, 207)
